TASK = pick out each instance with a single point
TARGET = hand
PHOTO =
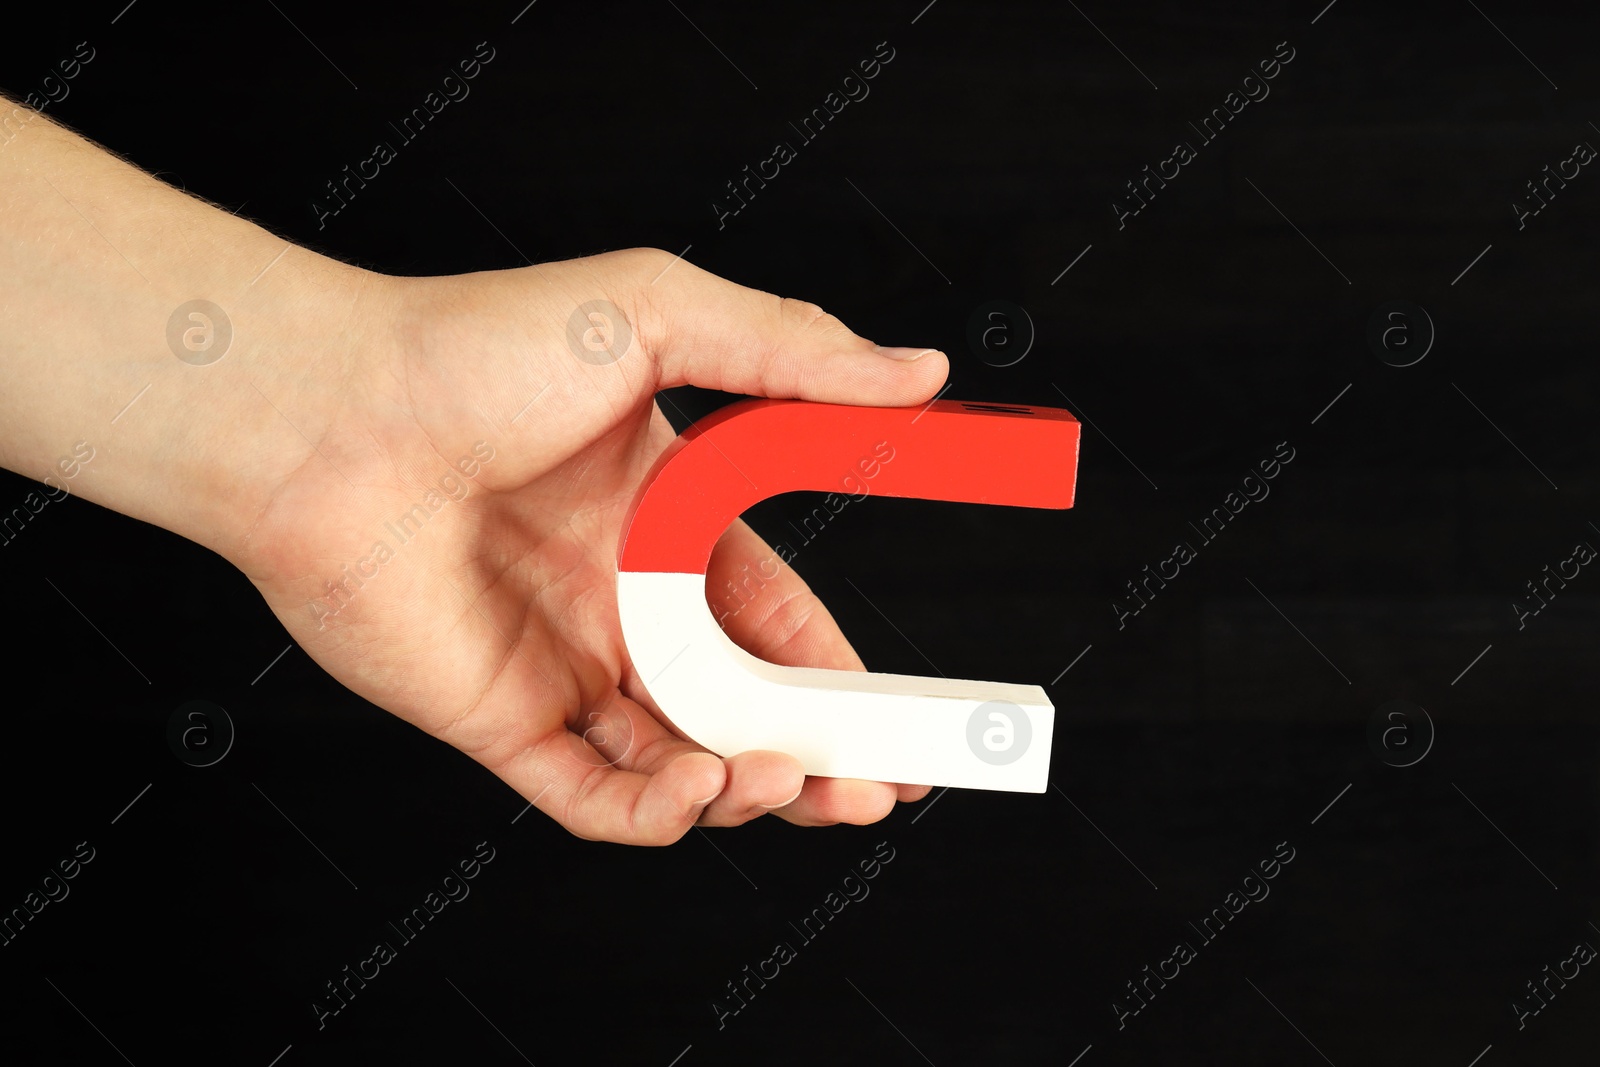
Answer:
(455, 427)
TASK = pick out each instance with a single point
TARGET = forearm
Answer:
(97, 257)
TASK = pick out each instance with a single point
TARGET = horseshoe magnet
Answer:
(838, 724)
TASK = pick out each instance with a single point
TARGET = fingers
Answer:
(828, 801)
(604, 768)
(623, 777)
(616, 773)
(602, 802)
(704, 330)
(770, 612)
(612, 771)
(757, 783)
(625, 734)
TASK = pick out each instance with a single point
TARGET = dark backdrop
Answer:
(1212, 730)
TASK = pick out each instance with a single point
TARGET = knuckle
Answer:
(866, 810)
(655, 257)
(804, 315)
(790, 618)
(642, 256)
(626, 273)
(645, 264)
(668, 832)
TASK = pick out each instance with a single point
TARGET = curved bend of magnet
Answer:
(839, 724)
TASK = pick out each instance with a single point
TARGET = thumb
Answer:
(703, 330)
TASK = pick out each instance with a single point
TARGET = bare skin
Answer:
(346, 397)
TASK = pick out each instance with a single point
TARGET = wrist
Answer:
(289, 400)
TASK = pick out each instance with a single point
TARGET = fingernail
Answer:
(906, 354)
(707, 800)
(786, 803)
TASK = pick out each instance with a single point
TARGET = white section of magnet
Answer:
(838, 724)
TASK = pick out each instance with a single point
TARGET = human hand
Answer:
(455, 426)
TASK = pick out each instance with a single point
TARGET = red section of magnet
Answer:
(749, 451)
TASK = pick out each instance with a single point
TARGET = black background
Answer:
(1211, 728)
